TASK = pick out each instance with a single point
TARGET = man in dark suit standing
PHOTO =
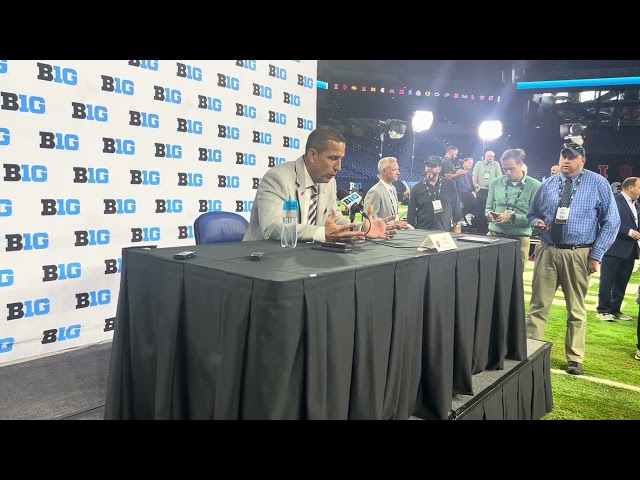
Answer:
(618, 261)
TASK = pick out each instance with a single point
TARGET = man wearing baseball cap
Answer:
(434, 202)
(576, 219)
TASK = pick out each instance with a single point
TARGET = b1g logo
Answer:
(145, 234)
(228, 181)
(165, 94)
(227, 81)
(117, 85)
(144, 119)
(246, 159)
(304, 81)
(261, 137)
(145, 177)
(60, 206)
(91, 238)
(262, 91)
(273, 161)
(168, 205)
(209, 103)
(119, 206)
(61, 334)
(209, 206)
(82, 111)
(61, 271)
(6, 207)
(185, 232)
(304, 124)
(225, 131)
(5, 136)
(112, 265)
(6, 277)
(186, 125)
(90, 175)
(190, 179)
(277, 118)
(189, 71)
(248, 111)
(248, 64)
(19, 102)
(6, 344)
(209, 155)
(118, 146)
(290, 142)
(59, 141)
(57, 74)
(166, 150)
(93, 298)
(244, 205)
(24, 173)
(27, 241)
(277, 72)
(4, 66)
(28, 308)
(291, 99)
(145, 64)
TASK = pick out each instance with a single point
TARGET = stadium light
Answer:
(489, 130)
(420, 122)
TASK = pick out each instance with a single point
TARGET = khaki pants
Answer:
(523, 242)
(555, 267)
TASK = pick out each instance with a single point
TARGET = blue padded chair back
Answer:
(219, 227)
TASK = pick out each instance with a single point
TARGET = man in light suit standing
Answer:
(383, 195)
(311, 181)
(618, 262)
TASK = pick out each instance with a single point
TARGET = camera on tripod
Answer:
(573, 132)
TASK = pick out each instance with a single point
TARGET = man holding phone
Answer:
(508, 202)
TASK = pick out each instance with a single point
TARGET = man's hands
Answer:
(341, 233)
(378, 228)
(592, 265)
(498, 218)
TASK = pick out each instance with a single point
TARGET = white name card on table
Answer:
(439, 242)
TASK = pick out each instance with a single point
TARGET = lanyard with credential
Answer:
(573, 192)
(506, 195)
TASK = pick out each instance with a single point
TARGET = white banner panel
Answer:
(98, 155)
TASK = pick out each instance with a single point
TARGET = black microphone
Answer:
(357, 208)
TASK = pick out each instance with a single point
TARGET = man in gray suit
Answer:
(383, 195)
(315, 170)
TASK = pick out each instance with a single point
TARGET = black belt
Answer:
(570, 247)
(513, 237)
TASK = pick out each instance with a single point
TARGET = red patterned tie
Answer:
(313, 205)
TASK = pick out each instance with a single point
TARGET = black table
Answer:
(379, 333)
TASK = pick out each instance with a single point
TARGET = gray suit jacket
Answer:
(283, 182)
(378, 196)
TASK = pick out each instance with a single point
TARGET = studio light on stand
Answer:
(394, 128)
(489, 130)
(420, 122)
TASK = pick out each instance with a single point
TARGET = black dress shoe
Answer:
(574, 368)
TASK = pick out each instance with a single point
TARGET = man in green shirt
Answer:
(508, 201)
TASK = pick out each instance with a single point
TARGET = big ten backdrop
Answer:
(98, 155)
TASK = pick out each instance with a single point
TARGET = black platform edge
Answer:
(495, 387)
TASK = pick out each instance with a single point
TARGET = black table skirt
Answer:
(380, 333)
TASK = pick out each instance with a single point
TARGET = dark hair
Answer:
(320, 136)
(629, 182)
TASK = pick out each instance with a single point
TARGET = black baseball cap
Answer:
(434, 160)
(572, 150)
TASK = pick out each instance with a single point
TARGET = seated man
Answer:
(311, 181)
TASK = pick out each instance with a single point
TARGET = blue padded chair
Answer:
(219, 227)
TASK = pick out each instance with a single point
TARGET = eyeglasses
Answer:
(574, 147)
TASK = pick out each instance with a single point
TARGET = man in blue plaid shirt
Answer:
(576, 218)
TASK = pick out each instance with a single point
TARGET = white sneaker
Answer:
(621, 316)
(637, 357)
(606, 317)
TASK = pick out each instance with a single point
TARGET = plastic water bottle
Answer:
(289, 235)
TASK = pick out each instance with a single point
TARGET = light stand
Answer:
(420, 122)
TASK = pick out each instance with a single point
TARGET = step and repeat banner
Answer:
(98, 155)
